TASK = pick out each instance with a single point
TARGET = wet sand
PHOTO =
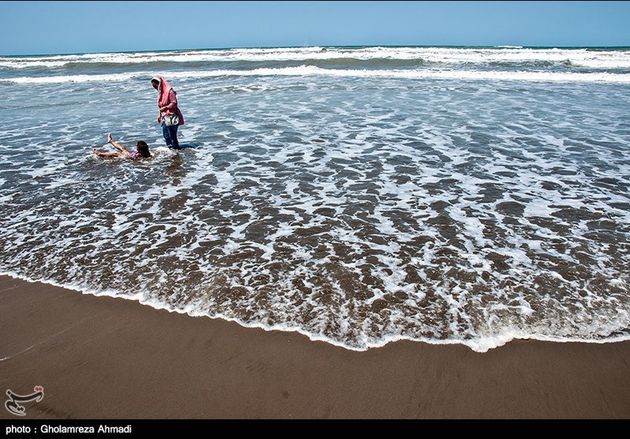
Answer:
(100, 357)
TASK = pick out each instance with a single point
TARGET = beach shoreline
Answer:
(101, 357)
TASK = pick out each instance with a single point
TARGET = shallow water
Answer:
(359, 196)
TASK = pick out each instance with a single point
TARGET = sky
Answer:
(84, 27)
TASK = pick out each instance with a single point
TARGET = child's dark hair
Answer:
(143, 148)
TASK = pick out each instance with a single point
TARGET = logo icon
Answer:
(13, 403)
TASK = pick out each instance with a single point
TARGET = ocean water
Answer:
(356, 195)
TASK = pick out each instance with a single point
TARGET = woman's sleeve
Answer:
(172, 101)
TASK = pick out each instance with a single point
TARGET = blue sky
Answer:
(78, 27)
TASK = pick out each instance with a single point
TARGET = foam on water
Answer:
(358, 208)
(619, 78)
(608, 59)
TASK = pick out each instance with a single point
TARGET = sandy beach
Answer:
(100, 357)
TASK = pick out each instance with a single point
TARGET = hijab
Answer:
(164, 89)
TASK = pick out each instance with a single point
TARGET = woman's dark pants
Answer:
(170, 135)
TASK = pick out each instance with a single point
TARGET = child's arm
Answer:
(105, 154)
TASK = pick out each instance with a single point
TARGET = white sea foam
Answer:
(60, 79)
(610, 59)
(618, 78)
(479, 344)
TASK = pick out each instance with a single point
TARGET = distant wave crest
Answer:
(313, 70)
(600, 59)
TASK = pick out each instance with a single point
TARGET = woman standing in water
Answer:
(170, 117)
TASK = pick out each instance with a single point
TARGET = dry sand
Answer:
(100, 357)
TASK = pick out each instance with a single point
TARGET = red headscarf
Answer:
(164, 89)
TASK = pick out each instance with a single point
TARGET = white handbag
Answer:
(170, 120)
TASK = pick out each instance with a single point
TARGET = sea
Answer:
(356, 195)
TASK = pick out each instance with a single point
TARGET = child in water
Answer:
(142, 150)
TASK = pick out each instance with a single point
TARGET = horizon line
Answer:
(494, 46)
